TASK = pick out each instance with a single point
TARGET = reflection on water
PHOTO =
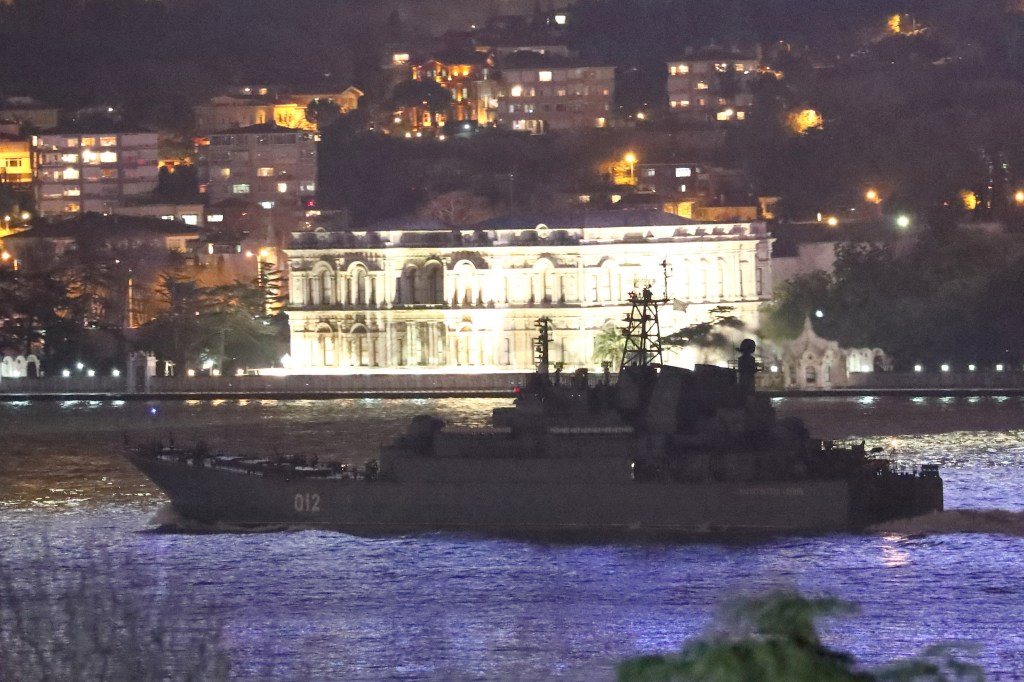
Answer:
(327, 606)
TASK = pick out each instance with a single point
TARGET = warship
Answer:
(663, 451)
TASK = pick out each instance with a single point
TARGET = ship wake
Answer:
(979, 521)
(168, 520)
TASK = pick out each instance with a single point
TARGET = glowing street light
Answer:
(872, 196)
(832, 221)
(1019, 196)
(630, 158)
(903, 221)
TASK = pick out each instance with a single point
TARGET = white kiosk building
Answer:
(425, 297)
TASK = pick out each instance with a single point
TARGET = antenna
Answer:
(666, 271)
(541, 344)
(643, 333)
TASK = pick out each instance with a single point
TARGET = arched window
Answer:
(465, 283)
(702, 280)
(359, 286)
(325, 352)
(360, 346)
(326, 288)
(433, 283)
(407, 290)
(721, 278)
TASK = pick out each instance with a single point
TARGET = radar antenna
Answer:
(643, 333)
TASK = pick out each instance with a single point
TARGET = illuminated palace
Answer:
(421, 297)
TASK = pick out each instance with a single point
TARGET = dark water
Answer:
(327, 606)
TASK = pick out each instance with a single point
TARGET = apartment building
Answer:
(712, 85)
(542, 93)
(92, 170)
(15, 160)
(267, 164)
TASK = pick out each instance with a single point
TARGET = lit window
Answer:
(190, 218)
(400, 58)
(167, 217)
(215, 218)
(242, 188)
(108, 157)
(683, 171)
(264, 172)
(741, 115)
(682, 188)
(71, 142)
(561, 92)
(267, 205)
(89, 156)
(702, 85)
(684, 102)
(308, 187)
(72, 207)
(560, 19)
(516, 91)
(649, 172)
(109, 174)
(544, 76)
(73, 192)
(224, 172)
(88, 141)
(68, 158)
(70, 174)
(282, 187)
(108, 141)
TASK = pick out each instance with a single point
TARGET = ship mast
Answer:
(643, 333)
(541, 344)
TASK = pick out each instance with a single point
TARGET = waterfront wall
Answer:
(452, 384)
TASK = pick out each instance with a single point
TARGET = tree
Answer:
(774, 638)
(425, 95)
(709, 334)
(609, 344)
(322, 112)
(458, 208)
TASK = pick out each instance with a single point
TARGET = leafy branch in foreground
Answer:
(95, 620)
(773, 638)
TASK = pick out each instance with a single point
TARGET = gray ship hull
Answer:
(541, 504)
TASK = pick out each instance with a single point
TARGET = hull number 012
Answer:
(307, 502)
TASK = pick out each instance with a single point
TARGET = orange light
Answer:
(1019, 197)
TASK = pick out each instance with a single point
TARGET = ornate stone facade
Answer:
(425, 297)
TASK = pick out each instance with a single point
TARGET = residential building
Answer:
(93, 169)
(542, 93)
(15, 160)
(189, 214)
(266, 164)
(712, 85)
(28, 111)
(423, 297)
(257, 105)
(104, 234)
(459, 73)
(697, 191)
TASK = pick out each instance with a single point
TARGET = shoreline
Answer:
(406, 394)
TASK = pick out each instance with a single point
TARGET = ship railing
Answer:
(842, 445)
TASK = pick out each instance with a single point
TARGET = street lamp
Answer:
(872, 196)
(1019, 197)
(903, 221)
(630, 158)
